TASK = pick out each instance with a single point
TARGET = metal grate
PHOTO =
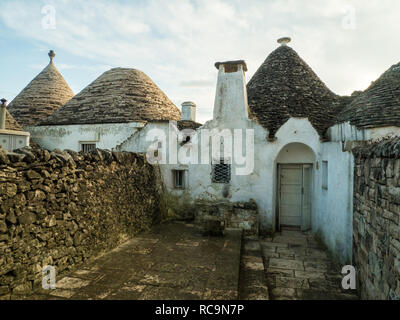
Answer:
(87, 147)
(179, 179)
(221, 172)
(325, 175)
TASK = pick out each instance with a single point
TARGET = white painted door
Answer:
(291, 180)
(295, 196)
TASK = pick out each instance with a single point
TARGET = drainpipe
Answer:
(3, 114)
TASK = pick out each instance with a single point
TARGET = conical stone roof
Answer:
(379, 105)
(11, 123)
(119, 95)
(46, 93)
(285, 86)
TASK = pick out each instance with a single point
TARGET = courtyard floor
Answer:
(176, 261)
(296, 267)
(172, 262)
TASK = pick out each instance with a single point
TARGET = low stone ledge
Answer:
(243, 215)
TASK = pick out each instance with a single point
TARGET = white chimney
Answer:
(231, 95)
(3, 107)
(189, 111)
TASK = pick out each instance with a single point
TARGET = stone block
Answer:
(214, 226)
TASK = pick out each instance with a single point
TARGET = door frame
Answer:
(278, 190)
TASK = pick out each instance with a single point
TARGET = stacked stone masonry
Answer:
(376, 251)
(241, 215)
(64, 208)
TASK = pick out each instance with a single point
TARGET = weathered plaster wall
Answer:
(332, 219)
(376, 219)
(106, 136)
(331, 209)
(176, 202)
(260, 185)
(347, 132)
(61, 209)
(10, 140)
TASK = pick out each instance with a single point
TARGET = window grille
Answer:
(179, 179)
(221, 172)
(87, 147)
(325, 175)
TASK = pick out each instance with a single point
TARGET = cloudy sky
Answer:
(176, 42)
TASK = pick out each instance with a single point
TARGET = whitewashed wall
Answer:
(11, 140)
(106, 136)
(347, 132)
(333, 211)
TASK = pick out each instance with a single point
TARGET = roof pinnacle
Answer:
(284, 41)
(51, 55)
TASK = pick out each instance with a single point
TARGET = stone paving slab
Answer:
(297, 267)
(172, 261)
(253, 284)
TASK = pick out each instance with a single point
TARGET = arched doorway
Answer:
(294, 193)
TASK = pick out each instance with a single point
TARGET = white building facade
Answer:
(282, 141)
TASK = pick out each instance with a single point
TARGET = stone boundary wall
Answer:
(63, 208)
(242, 215)
(376, 227)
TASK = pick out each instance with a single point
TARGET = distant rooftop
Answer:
(119, 95)
(46, 93)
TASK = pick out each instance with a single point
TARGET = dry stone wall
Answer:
(376, 228)
(63, 208)
(243, 215)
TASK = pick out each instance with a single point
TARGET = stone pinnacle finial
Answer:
(51, 55)
(284, 41)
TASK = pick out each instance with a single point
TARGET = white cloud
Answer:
(177, 42)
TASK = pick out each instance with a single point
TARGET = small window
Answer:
(325, 175)
(221, 172)
(179, 179)
(87, 147)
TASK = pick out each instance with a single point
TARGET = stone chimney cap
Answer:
(236, 62)
(284, 41)
(3, 102)
(190, 103)
(51, 55)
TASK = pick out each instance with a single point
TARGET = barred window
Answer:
(325, 175)
(87, 147)
(179, 179)
(221, 172)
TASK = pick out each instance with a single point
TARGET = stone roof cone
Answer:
(11, 123)
(285, 86)
(119, 95)
(379, 105)
(46, 93)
